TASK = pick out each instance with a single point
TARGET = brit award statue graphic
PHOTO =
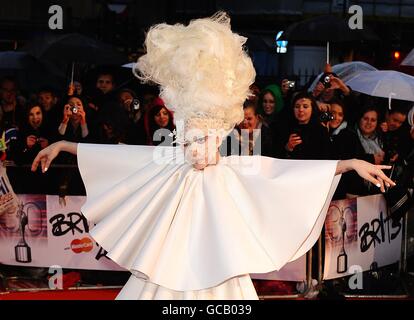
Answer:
(22, 250)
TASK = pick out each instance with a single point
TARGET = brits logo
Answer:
(83, 245)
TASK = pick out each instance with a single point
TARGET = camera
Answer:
(326, 80)
(135, 105)
(74, 109)
(326, 116)
(291, 84)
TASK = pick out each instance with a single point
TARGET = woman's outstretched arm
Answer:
(45, 157)
(368, 171)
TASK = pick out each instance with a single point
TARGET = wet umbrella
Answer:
(409, 59)
(346, 71)
(385, 84)
(326, 28)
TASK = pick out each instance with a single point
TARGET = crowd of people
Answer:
(330, 122)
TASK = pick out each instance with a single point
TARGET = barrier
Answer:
(308, 291)
(400, 252)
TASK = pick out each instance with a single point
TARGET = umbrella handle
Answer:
(73, 71)
(327, 52)
(71, 89)
(389, 99)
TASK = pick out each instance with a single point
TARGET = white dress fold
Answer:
(189, 234)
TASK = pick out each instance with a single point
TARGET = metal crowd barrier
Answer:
(309, 288)
(308, 284)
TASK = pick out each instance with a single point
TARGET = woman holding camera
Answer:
(73, 126)
(303, 136)
(34, 135)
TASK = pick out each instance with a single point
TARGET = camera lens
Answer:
(74, 109)
(135, 104)
(326, 116)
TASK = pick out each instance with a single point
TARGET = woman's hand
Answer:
(318, 89)
(46, 156)
(337, 83)
(368, 171)
(31, 141)
(67, 113)
(293, 141)
(82, 115)
(43, 142)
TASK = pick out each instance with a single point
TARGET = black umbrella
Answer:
(74, 47)
(16, 60)
(65, 50)
(326, 28)
(30, 72)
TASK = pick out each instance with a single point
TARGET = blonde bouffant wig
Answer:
(203, 71)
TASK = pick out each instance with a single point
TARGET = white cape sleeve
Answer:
(185, 229)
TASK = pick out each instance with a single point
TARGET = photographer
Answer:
(33, 137)
(134, 110)
(73, 126)
(331, 87)
(288, 88)
(132, 106)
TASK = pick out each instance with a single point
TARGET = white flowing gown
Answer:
(189, 234)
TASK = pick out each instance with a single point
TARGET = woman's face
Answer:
(268, 103)
(250, 120)
(126, 98)
(76, 102)
(338, 115)
(35, 117)
(303, 110)
(162, 118)
(368, 122)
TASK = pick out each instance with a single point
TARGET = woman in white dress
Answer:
(187, 223)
